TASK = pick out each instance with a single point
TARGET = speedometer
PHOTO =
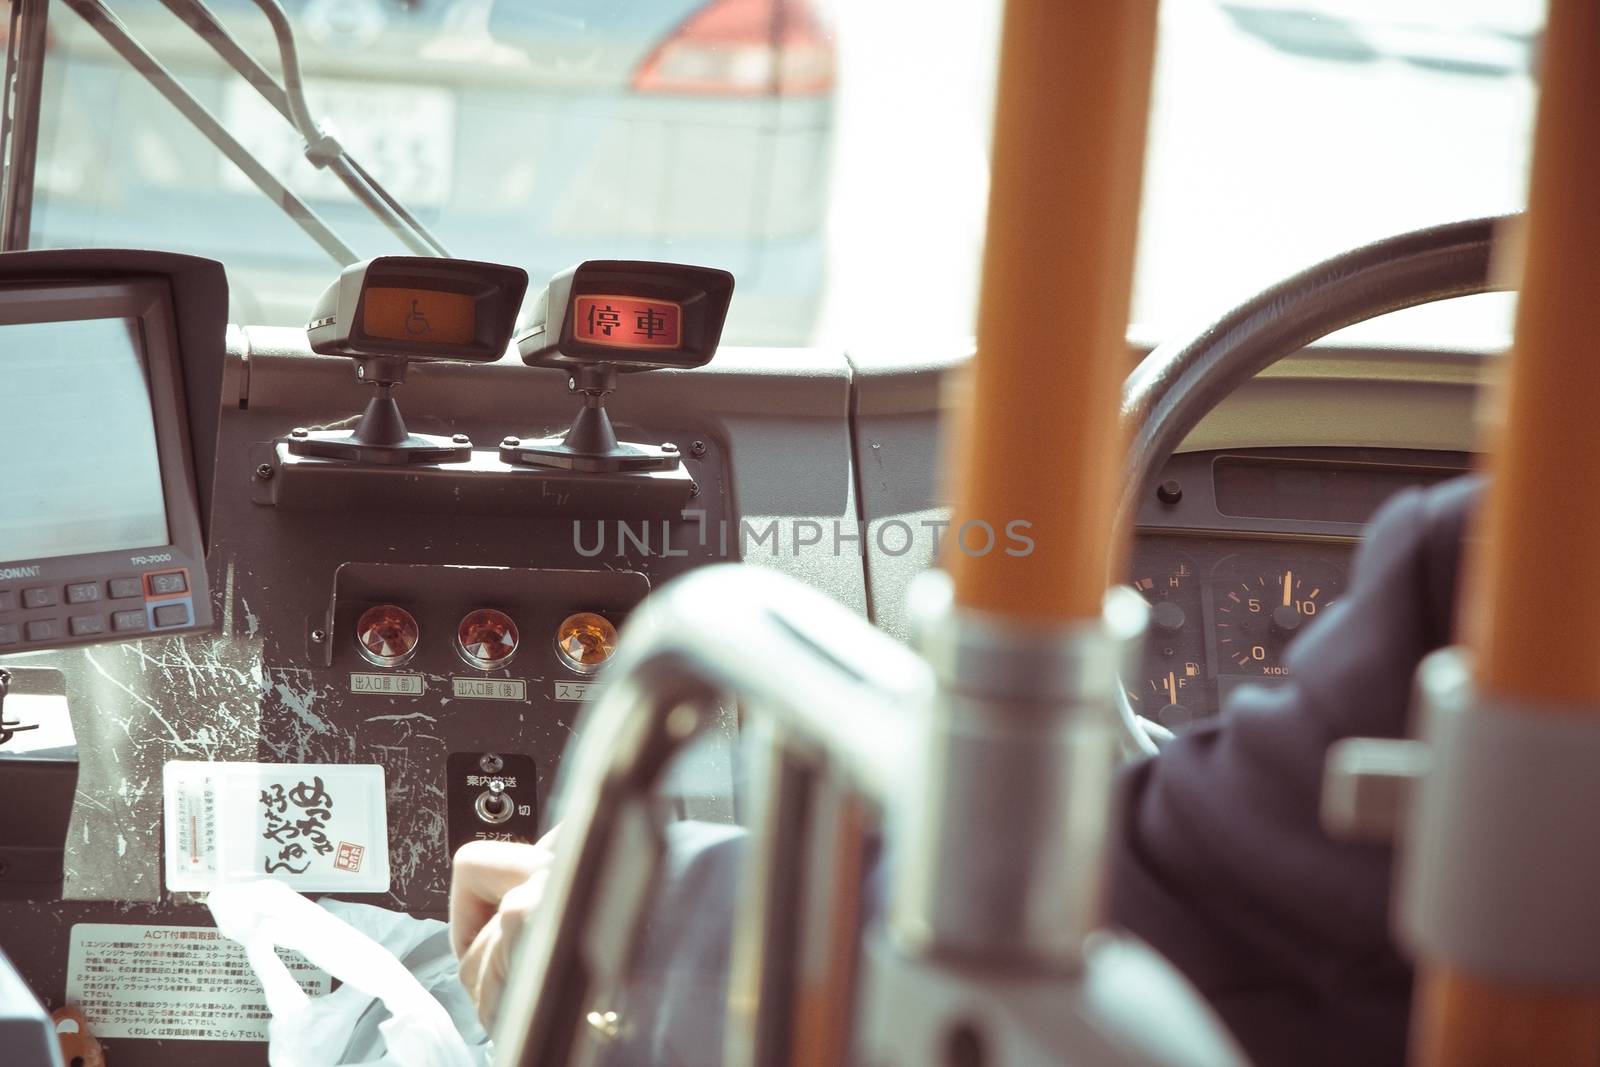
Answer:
(1262, 605)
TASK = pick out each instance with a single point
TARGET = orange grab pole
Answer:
(1041, 448)
(1533, 583)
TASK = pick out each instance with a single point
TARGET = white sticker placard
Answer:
(403, 685)
(176, 983)
(572, 690)
(319, 827)
(489, 688)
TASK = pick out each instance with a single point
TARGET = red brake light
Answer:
(743, 48)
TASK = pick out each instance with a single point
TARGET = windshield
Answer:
(832, 155)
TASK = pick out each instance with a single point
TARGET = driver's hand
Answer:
(495, 886)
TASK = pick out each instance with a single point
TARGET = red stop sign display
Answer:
(627, 322)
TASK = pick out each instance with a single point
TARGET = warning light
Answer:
(585, 641)
(387, 635)
(627, 322)
(487, 639)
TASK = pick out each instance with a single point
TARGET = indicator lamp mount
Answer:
(590, 443)
(388, 312)
(604, 318)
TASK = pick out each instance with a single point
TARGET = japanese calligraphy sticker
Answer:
(316, 827)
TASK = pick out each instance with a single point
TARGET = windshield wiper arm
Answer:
(289, 100)
(101, 19)
(19, 120)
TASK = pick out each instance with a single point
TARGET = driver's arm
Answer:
(1221, 863)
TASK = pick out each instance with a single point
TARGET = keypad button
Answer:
(10, 634)
(8, 600)
(43, 630)
(172, 615)
(123, 588)
(83, 593)
(125, 621)
(87, 625)
(169, 583)
(40, 597)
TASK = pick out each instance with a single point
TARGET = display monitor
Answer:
(100, 528)
(82, 382)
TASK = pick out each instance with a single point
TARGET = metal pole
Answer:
(20, 133)
(1534, 582)
(1042, 433)
(1000, 866)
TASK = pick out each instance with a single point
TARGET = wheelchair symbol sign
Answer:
(416, 321)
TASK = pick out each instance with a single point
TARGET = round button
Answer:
(487, 639)
(585, 641)
(387, 635)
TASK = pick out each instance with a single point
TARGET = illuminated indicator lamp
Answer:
(585, 641)
(487, 639)
(392, 311)
(387, 635)
(608, 317)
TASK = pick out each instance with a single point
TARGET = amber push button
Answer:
(585, 641)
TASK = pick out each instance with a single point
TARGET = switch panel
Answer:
(491, 797)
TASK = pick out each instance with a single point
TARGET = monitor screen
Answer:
(81, 471)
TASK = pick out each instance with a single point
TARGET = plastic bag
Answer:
(266, 915)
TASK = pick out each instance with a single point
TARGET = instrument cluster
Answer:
(1224, 612)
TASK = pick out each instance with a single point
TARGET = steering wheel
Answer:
(1176, 385)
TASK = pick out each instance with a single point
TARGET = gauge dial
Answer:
(1172, 687)
(1261, 611)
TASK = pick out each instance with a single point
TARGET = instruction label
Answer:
(176, 983)
(489, 688)
(404, 685)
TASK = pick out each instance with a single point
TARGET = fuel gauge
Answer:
(1173, 699)
(1172, 688)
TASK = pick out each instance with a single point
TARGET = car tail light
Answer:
(743, 48)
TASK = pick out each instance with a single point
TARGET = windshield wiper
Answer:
(289, 100)
(104, 22)
(19, 136)
(19, 118)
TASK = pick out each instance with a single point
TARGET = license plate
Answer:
(403, 135)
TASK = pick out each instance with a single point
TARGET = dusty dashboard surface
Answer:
(289, 680)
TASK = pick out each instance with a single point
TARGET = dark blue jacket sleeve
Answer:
(1220, 862)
